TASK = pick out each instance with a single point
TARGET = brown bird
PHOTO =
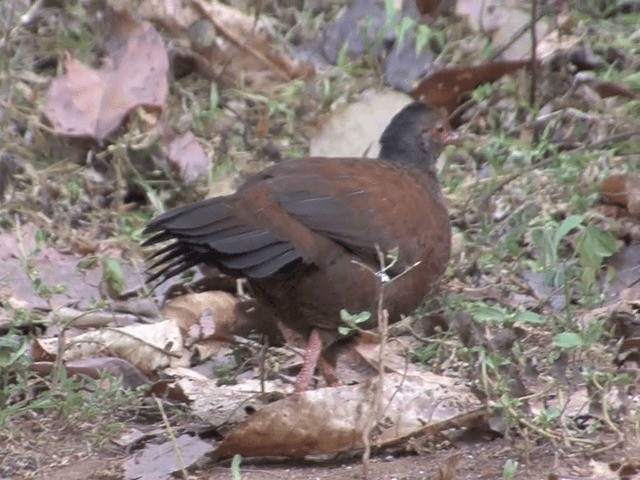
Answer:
(306, 234)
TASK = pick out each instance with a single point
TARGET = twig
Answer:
(276, 69)
(534, 46)
(515, 37)
(485, 198)
(174, 441)
(383, 326)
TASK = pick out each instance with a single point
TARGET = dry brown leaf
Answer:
(622, 190)
(445, 87)
(428, 7)
(612, 89)
(85, 102)
(96, 367)
(148, 347)
(237, 46)
(300, 425)
(160, 461)
(222, 406)
(186, 157)
(448, 470)
(187, 311)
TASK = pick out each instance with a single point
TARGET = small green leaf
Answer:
(343, 56)
(87, 263)
(401, 32)
(113, 276)
(565, 227)
(41, 236)
(422, 37)
(509, 470)
(390, 9)
(235, 467)
(486, 313)
(567, 340)
(529, 317)
(344, 330)
(214, 98)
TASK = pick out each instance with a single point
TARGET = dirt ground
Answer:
(36, 450)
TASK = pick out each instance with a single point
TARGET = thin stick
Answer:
(172, 436)
(534, 45)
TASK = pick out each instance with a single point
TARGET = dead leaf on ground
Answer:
(60, 272)
(148, 347)
(501, 20)
(222, 406)
(448, 470)
(186, 157)
(155, 462)
(428, 7)
(299, 424)
(226, 43)
(85, 102)
(355, 130)
(188, 311)
(622, 190)
(96, 367)
(445, 87)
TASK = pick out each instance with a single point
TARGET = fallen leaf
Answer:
(96, 367)
(158, 462)
(227, 44)
(148, 347)
(354, 131)
(445, 87)
(186, 157)
(428, 7)
(187, 311)
(334, 419)
(622, 190)
(223, 406)
(85, 102)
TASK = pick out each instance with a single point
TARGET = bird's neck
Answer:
(408, 156)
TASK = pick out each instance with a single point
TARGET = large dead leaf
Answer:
(331, 420)
(354, 131)
(148, 347)
(85, 102)
(622, 190)
(95, 368)
(158, 462)
(49, 269)
(445, 87)
(226, 43)
(502, 20)
(223, 406)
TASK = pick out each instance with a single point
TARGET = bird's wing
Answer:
(299, 210)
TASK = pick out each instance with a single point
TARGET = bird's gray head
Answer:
(416, 136)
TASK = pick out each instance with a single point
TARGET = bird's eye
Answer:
(440, 128)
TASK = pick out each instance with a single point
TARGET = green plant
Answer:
(584, 338)
(352, 320)
(592, 247)
(509, 470)
(235, 467)
(482, 312)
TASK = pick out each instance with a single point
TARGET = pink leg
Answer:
(311, 356)
(328, 372)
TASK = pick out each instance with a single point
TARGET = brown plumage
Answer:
(304, 233)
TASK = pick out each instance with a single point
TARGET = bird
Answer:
(309, 235)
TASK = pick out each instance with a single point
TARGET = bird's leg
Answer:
(311, 356)
(328, 371)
